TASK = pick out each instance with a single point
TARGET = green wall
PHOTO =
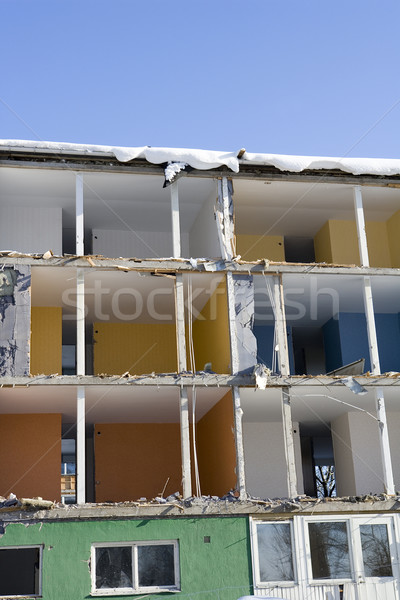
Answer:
(219, 570)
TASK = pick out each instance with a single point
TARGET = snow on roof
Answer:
(210, 159)
(198, 159)
(296, 164)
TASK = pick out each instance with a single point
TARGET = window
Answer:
(135, 567)
(329, 547)
(20, 570)
(376, 550)
(354, 549)
(272, 549)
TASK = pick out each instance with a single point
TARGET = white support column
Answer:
(80, 322)
(180, 322)
(219, 219)
(289, 443)
(183, 394)
(388, 481)
(238, 417)
(80, 348)
(232, 323)
(371, 328)
(185, 442)
(280, 324)
(176, 228)
(80, 278)
(237, 409)
(361, 233)
(79, 215)
(228, 229)
(80, 447)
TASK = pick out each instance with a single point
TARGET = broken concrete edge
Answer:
(170, 264)
(33, 511)
(198, 379)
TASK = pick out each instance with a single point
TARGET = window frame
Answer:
(258, 584)
(353, 524)
(135, 589)
(350, 541)
(26, 547)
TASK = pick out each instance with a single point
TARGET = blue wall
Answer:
(265, 344)
(346, 340)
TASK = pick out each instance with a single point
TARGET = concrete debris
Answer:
(262, 375)
(229, 504)
(14, 503)
(354, 386)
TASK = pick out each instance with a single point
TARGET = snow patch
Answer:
(173, 169)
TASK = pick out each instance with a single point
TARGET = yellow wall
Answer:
(378, 244)
(135, 459)
(255, 247)
(393, 228)
(216, 449)
(211, 335)
(30, 455)
(46, 340)
(135, 347)
(337, 242)
(322, 244)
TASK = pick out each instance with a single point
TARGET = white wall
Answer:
(342, 451)
(357, 453)
(140, 244)
(265, 463)
(31, 229)
(393, 419)
(203, 237)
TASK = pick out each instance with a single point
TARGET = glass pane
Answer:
(156, 565)
(275, 552)
(19, 571)
(114, 567)
(375, 549)
(329, 550)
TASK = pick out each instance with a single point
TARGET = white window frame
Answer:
(135, 574)
(355, 549)
(37, 547)
(328, 519)
(258, 584)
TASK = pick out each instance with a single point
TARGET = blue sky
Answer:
(290, 77)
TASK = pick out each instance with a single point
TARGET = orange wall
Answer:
(46, 340)
(211, 334)
(216, 452)
(135, 347)
(30, 455)
(135, 459)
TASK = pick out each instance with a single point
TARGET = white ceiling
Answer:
(111, 200)
(124, 200)
(107, 403)
(310, 300)
(311, 404)
(301, 209)
(117, 296)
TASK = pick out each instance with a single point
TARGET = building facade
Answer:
(199, 370)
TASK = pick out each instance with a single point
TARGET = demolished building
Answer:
(199, 371)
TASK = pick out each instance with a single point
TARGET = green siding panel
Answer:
(218, 570)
